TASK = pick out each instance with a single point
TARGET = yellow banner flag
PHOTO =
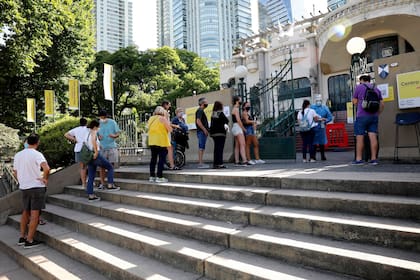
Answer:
(108, 89)
(49, 103)
(73, 94)
(30, 109)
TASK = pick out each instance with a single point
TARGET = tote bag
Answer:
(86, 155)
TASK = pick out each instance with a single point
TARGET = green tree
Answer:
(44, 44)
(143, 79)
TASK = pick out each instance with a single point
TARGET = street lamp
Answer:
(240, 73)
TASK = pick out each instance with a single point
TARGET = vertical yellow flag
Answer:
(49, 103)
(30, 109)
(108, 89)
(73, 94)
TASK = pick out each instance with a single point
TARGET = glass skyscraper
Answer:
(114, 24)
(211, 28)
(334, 4)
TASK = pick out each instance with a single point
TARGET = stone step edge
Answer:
(403, 188)
(302, 225)
(38, 268)
(210, 266)
(381, 206)
(309, 256)
(73, 252)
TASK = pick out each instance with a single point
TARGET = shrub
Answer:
(9, 142)
(56, 148)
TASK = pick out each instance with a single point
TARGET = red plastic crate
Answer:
(337, 135)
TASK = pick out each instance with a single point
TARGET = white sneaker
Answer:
(304, 160)
(260, 161)
(101, 187)
(152, 179)
(161, 180)
(203, 166)
(312, 160)
(252, 162)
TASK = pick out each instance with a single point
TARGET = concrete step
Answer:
(210, 231)
(320, 253)
(369, 204)
(115, 262)
(96, 250)
(248, 194)
(385, 232)
(319, 182)
(10, 269)
(43, 262)
(357, 203)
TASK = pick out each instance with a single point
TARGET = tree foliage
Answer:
(9, 141)
(143, 79)
(44, 43)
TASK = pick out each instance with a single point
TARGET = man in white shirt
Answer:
(27, 166)
(78, 135)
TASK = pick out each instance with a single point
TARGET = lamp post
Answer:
(355, 46)
(240, 73)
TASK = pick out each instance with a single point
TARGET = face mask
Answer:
(25, 145)
(247, 108)
(205, 105)
(179, 115)
(318, 103)
(102, 120)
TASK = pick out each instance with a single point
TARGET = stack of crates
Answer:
(337, 135)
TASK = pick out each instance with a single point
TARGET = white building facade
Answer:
(321, 63)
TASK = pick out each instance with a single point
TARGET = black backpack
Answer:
(371, 101)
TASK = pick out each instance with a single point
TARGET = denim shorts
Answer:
(366, 124)
(202, 139)
(249, 130)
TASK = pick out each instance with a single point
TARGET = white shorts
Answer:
(236, 129)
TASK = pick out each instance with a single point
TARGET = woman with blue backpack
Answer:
(308, 120)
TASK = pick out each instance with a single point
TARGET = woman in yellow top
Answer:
(159, 127)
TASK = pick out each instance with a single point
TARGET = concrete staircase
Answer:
(203, 226)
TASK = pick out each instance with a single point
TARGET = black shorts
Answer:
(33, 199)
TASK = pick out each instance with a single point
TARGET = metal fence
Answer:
(9, 182)
(128, 141)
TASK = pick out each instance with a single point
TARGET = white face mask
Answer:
(318, 103)
(102, 120)
(179, 115)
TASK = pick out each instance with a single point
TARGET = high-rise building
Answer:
(211, 28)
(334, 4)
(279, 11)
(114, 24)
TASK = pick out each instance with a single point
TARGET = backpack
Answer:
(371, 102)
(304, 124)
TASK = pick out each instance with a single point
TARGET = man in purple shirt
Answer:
(366, 121)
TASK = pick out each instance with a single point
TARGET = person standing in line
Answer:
(167, 106)
(202, 130)
(178, 122)
(250, 137)
(78, 135)
(158, 129)
(108, 133)
(238, 131)
(98, 160)
(320, 137)
(26, 169)
(366, 121)
(218, 128)
(311, 117)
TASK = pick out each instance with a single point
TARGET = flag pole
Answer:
(78, 93)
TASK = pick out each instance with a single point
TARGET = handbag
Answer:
(86, 155)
